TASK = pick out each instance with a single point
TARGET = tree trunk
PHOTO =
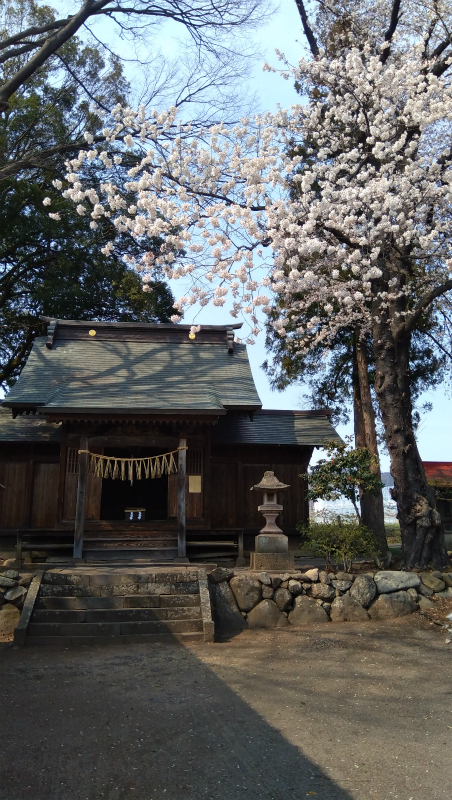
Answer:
(420, 523)
(372, 511)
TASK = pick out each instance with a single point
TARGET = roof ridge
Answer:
(167, 326)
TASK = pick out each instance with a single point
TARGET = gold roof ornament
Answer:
(270, 483)
(92, 332)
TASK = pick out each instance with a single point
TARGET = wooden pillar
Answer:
(181, 528)
(241, 561)
(19, 542)
(81, 498)
(62, 473)
(29, 507)
(207, 473)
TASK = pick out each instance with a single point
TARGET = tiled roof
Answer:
(275, 427)
(125, 374)
(88, 394)
(439, 473)
(27, 429)
(281, 428)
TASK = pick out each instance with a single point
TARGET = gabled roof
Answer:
(438, 473)
(134, 368)
(310, 428)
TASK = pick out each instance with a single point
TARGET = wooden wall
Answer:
(41, 490)
(14, 498)
(194, 500)
(44, 495)
(235, 469)
(30, 475)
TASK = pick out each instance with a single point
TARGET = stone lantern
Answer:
(272, 546)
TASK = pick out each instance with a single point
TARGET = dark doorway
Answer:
(151, 494)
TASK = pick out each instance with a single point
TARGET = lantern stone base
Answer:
(271, 543)
(271, 562)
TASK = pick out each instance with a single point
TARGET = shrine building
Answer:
(135, 441)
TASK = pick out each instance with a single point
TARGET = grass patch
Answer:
(393, 533)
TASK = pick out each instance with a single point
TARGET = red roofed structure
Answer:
(439, 474)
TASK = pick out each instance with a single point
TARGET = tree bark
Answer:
(372, 511)
(420, 524)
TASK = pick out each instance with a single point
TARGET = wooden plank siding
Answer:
(45, 494)
(252, 474)
(236, 468)
(93, 489)
(15, 497)
(224, 508)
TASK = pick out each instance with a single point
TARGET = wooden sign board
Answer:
(194, 484)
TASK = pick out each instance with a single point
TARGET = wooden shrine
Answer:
(105, 393)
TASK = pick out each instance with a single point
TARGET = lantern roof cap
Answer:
(270, 483)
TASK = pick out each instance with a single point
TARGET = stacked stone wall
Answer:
(248, 600)
(13, 587)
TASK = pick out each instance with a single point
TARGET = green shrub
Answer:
(340, 541)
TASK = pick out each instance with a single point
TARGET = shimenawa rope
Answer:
(126, 469)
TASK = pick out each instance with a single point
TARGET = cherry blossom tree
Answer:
(342, 203)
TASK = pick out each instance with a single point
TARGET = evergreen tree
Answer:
(51, 267)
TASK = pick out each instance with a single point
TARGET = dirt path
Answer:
(341, 712)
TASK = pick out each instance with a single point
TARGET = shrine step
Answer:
(134, 601)
(113, 628)
(116, 615)
(104, 604)
(143, 638)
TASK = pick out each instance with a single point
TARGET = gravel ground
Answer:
(337, 712)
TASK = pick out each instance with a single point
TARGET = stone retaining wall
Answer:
(13, 587)
(242, 599)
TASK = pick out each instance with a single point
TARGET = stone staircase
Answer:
(128, 605)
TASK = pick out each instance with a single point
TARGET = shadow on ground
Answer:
(145, 722)
(267, 716)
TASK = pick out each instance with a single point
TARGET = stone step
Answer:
(115, 615)
(95, 629)
(108, 604)
(119, 589)
(107, 574)
(144, 638)
(113, 601)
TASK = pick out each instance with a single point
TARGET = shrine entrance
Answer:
(150, 494)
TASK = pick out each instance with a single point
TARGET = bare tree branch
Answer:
(80, 83)
(308, 32)
(425, 302)
(204, 20)
(52, 44)
(38, 158)
(35, 30)
(19, 51)
(395, 16)
(438, 344)
(441, 47)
